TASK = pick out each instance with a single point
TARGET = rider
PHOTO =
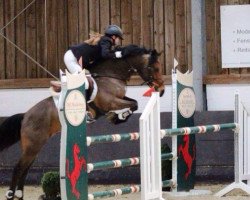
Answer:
(85, 55)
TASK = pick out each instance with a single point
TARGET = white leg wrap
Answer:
(9, 194)
(123, 113)
(19, 194)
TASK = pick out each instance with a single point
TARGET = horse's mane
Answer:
(134, 50)
(127, 52)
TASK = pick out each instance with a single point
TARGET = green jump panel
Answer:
(183, 116)
(76, 149)
(74, 176)
(186, 149)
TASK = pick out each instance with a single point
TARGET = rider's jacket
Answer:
(93, 53)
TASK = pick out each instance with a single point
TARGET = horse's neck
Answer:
(114, 68)
(118, 68)
(136, 62)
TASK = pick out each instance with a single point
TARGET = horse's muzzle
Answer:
(161, 91)
(159, 88)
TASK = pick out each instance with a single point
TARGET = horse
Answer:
(41, 122)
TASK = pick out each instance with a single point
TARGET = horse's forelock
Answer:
(153, 56)
(146, 58)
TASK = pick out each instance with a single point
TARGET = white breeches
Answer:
(71, 62)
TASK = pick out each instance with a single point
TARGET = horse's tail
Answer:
(10, 131)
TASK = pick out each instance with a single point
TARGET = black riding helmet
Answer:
(114, 30)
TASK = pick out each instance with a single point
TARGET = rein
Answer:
(132, 70)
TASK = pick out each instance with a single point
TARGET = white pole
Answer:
(238, 152)
(174, 125)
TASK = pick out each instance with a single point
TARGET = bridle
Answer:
(150, 81)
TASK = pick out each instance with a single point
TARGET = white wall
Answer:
(14, 101)
(221, 97)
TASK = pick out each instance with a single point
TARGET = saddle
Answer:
(90, 86)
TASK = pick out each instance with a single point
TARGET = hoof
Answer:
(90, 118)
(19, 194)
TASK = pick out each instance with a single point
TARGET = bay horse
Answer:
(41, 122)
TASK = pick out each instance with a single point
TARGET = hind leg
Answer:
(29, 153)
(20, 185)
(15, 175)
(18, 177)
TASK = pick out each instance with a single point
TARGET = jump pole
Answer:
(73, 152)
(183, 168)
(185, 184)
(72, 116)
(241, 151)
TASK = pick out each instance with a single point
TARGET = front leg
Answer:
(124, 109)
